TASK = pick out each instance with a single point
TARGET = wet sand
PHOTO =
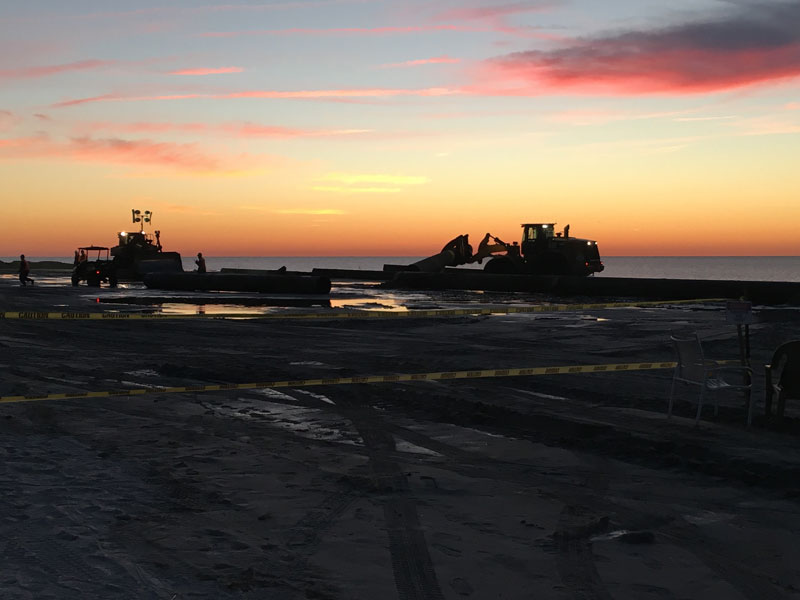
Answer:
(566, 486)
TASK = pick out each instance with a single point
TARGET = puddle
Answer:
(308, 363)
(143, 373)
(539, 394)
(309, 423)
(317, 396)
(404, 446)
(706, 517)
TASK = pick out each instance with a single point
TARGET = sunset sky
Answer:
(388, 127)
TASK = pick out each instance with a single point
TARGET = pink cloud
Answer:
(239, 130)
(213, 8)
(45, 71)
(739, 50)
(274, 94)
(203, 71)
(493, 12)
(495, 18)
(423, 61)
(182, 156)
(171, 156)
(344, 30)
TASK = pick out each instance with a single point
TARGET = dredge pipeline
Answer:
(237, 282)
(760, 292)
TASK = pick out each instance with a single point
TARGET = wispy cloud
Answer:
(273, 94)
(480, 13)
(207, 71)
(496, 17)
(214, 8)
(767, 125)
(386, 30)
(367, 183)
(237, 130)
(165, 155)
(422, 61)
(47, 70)
(581, 117)
(761, 44)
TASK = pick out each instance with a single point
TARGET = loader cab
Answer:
(532, 232)
(536, 238)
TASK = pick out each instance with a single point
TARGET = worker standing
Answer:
(201, 263)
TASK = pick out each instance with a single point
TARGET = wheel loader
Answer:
(543, 251)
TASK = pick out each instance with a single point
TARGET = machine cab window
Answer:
(537, 231)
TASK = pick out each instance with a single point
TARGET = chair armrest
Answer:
(723, 373)
(740, 369)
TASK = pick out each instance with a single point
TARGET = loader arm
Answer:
(486, 248)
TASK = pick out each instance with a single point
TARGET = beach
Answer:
(556, 486)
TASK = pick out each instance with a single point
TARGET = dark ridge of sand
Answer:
(42, 265)
(567, 486)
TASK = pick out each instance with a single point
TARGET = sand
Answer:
(563, 487)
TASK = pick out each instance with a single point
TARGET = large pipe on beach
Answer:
(235, 282)
(761, 292)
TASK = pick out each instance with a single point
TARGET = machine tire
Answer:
(112, 280)
(75, 281)
(501, 265)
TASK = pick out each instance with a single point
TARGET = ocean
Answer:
(755, 268)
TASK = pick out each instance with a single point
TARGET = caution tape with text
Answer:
(441, 376)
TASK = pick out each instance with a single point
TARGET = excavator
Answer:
(543, 251)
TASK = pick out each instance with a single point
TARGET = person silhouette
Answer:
(24, 270)
(201, 263)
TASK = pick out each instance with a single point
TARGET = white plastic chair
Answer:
(694, 369)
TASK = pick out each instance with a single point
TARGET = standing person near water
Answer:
(24, 270)
(201, 263)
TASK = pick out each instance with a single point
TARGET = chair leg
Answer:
(671, 396)
(781, 404)
(700, 405)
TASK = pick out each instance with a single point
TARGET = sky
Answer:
(388, 127)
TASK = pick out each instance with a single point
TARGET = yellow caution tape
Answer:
(355, 314)
(441, 376)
